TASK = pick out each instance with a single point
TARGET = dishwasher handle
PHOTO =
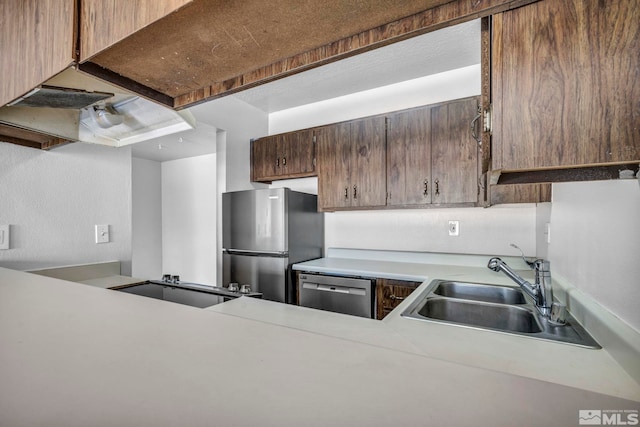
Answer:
(334, 288)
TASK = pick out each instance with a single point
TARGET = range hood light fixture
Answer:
(107, 117)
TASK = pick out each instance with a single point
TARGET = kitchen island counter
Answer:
(76, 355)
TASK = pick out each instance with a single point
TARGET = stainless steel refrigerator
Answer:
(265, 232)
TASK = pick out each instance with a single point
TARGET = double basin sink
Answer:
(493, 307)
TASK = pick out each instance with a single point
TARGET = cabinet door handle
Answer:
(395, 298)
(426, 187)
(474, 132)
(437, 187)
(355, 191)
(346, 192)
(278, 162)
(284, 161)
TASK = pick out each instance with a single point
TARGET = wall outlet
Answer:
(102, 233)
(454, 228)
(4, 236)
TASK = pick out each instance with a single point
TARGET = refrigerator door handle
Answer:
(255, 253)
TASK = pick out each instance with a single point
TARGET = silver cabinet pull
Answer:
(437, 187)
(426, 187)
(346, 192)
(355, 191)
(395, 298)
(284, 161)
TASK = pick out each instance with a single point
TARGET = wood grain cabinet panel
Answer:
(454, 152)
(368, 156)
(352, 164)
(565, 84)
(390, 293)
(409, 158)
(283, 156)
(37, 42)
(103, 23)
(519, 193)
(432, 156)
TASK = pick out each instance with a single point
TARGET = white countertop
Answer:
(77, 355)
(515, 354)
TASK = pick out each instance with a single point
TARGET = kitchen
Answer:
(594, 220)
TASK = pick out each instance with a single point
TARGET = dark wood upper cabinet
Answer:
(368, 157)
(454, 152)
(283, 156)
(432, 156)
(352, 164)
(334, 165)
(565, 85)
(409, 180)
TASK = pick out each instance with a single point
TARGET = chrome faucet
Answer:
(540, 291)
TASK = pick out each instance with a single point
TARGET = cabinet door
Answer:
(565, 84)
(454, 152)
(296, 154)
(264, 158)
(334, 166)
(409, 158)
(390, 293)
(368, 162)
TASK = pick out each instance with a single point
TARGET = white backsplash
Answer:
(595, 242)
(486, 231)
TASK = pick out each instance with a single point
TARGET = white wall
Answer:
(53, 199)
(482, 231)
(189, 206)
(232, 148)
(247, 122)
(595, 242)
(146, 257)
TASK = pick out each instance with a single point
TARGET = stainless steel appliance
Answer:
(264, 233)
(339, 294)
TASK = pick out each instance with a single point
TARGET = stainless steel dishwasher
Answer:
(338, 294)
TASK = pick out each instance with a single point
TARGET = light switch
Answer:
(4, 236)
(102, 233)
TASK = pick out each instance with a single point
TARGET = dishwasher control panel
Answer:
(345, 295)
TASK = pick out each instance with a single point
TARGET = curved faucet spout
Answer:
(541, 291)
(496, 264)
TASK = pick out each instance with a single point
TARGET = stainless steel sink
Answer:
(493, 316)
(480, 292)
(492, 307)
